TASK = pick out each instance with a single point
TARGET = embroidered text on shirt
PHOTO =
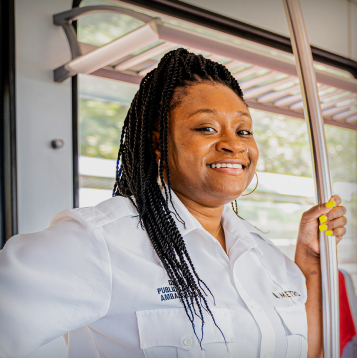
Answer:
(285, 294)
(167, 293)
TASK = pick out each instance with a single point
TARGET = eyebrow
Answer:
(207, 110)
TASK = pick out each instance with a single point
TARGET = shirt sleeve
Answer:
(52, 282)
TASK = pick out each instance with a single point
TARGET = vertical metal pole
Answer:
(315, 126)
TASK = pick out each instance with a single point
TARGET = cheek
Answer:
(186, 158)
(178, 156)
(185, 148)
(254, 152)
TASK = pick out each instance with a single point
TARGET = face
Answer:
(211, 127)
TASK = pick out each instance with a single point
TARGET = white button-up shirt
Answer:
(94, 277)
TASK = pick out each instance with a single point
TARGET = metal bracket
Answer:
(65, 20)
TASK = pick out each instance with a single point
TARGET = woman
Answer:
(165, 268)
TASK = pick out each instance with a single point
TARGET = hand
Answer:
(323, 218)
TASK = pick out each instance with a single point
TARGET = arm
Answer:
(307, 258)
(309, 264)
(51, 282)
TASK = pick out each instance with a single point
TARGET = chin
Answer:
(225, 196)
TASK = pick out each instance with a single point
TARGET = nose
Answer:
(231, 144)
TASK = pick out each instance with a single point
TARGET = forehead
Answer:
(206, 97)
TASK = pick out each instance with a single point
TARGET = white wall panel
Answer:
(326, 24)
(326, 20)
(266, 14)
(43, 113)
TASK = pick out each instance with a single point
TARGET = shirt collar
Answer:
(238, 237)
(189, 223)
(233, 226)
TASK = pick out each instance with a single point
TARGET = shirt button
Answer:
(187, 341)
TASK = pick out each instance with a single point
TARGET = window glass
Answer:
(342, 152)
(103, 105)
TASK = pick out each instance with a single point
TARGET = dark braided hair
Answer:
(136, 175)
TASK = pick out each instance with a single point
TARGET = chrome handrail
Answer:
(315, 126)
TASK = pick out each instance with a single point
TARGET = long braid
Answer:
(137, 169)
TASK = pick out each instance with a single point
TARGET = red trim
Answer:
(347, 327)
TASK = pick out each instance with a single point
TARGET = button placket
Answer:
(267, 331)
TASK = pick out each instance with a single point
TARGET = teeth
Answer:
(226, 165)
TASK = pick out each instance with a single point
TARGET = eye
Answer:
(244, 132)
(206, 129)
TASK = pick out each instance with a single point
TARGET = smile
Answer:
(225, 165)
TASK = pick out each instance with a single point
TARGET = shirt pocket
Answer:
(168, 333)
(295, 323)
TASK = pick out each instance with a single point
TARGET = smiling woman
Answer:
(166, 268)
(196, 113)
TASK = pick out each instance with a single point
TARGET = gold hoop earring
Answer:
(254, 188)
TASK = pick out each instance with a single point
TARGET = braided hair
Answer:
(136, 174)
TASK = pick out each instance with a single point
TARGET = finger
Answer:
(338, 232)
(333, 214)
(333, 224)
(322, 209)
(336, 199)
(338, 239)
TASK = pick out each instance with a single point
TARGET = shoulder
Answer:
(104, 213)
(265, 245)
(273, 257)
(78, 227)
(257, 233)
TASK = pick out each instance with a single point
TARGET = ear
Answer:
(156, 144)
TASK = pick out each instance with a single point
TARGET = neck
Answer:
(208, 217)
